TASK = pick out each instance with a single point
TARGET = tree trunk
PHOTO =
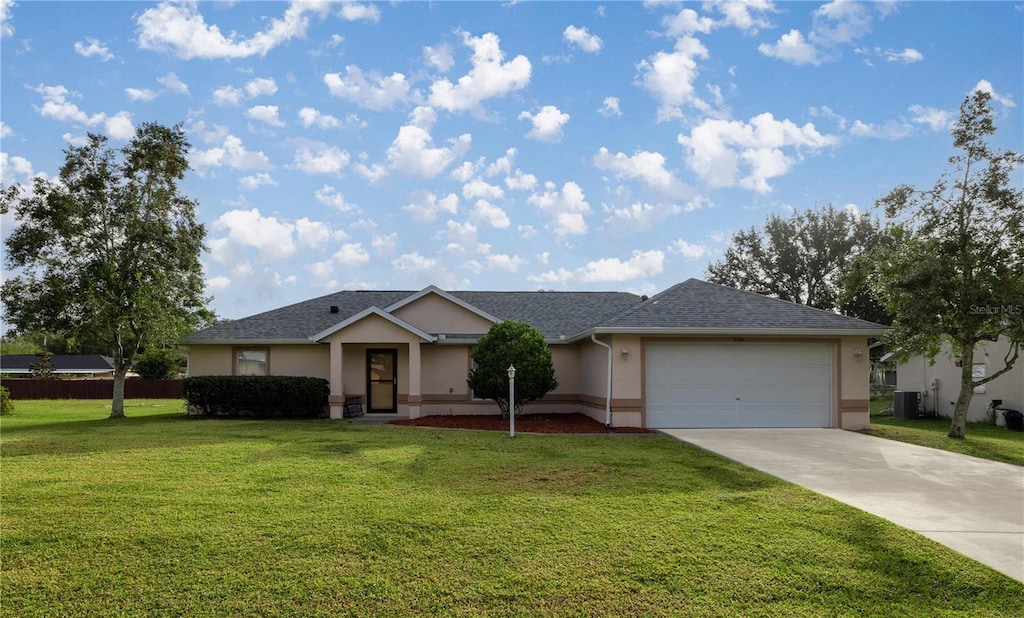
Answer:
(117, 403)
(957, 429)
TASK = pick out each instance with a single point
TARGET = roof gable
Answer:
(437, 311)
(367, 313)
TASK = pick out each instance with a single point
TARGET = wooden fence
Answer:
(97, 388)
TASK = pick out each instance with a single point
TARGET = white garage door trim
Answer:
(691, 385)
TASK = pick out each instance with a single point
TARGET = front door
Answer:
(382, 380)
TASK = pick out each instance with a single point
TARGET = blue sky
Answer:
(504, 146)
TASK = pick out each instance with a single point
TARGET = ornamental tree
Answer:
(954, 273)
(518, 344)
(108, 252)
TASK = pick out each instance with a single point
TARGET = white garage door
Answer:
(740, 385)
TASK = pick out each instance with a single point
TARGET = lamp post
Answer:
(511, 401)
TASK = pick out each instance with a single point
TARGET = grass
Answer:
(158, 514)
(983, 440)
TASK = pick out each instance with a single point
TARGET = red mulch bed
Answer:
(527, 423)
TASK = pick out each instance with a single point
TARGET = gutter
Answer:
(728, 332)
(608, 394)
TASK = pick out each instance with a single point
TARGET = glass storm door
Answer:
(381, 380)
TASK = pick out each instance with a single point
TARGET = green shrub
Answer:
(6, 405)
(257, 396)
(158, 364)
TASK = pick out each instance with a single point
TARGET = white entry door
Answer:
(738, 385)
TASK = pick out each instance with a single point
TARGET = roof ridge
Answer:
(758, 294)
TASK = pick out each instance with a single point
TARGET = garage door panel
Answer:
(742, 385)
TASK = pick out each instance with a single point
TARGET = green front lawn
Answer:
(158, 514)
(983, 440)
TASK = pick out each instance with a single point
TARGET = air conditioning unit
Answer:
(905, 404)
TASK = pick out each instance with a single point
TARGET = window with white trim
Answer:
(252, 361)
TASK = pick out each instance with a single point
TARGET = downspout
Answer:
(608, 394)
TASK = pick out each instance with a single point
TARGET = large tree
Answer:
(109, 250)
(512, 343)
(955, 274)
(801, 258)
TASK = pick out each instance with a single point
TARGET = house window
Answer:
(252, 361)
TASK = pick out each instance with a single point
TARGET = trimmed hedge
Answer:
(257, 396)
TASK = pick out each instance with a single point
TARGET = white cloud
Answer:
(425, 206)
(320, 158)
(119, 126)
(56, 106)
(582, 38)
(520, 181)
(690, 251)
(329, 196)
(489, 77)
(686, 22)
(503, 165)
(372, 173)
(265, 113)
(261, 86)
(354, 11)
(935, 119)
(610, 107)
(140, 94)
(547, 123)
(309, 117)
(907, 56)
(5, 130)
(497, 262)
(6, 29)
(441, 57)
(641, 265)
(840, 22)
(490, 214)
(479, 188)
(251, 183)
(214, 285)
(727, 153)
(566, 207)
(647, 167)
(173, 83)
(419, 271)
(228, 95)
(669, 77)
(892, 130)
(740, 14)
(986, 86)
(92, 47)
(180, 29)
(272, 238)
(793, 48)
(15, 170)
(370, 90)
(228, 152)
(351, 254)
(412, 152)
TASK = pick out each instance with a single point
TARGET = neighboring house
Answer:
(695, 355)
(940, 382)
(78, 365)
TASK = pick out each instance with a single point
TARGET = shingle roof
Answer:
(692, 304)
(555, 314)
(695, 304)
(62, 363)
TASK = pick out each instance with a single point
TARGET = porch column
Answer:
(415, 371)
(337, 397)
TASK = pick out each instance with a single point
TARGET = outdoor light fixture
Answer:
(625, 353)
(858, 353)
(511, 401)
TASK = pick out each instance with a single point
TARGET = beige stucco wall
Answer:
(917, 375)
(854, 383)
(311, 360)
(435, 314)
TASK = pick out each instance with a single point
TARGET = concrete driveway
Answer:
(971, 505)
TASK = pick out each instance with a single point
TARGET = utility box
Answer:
(905, 404)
